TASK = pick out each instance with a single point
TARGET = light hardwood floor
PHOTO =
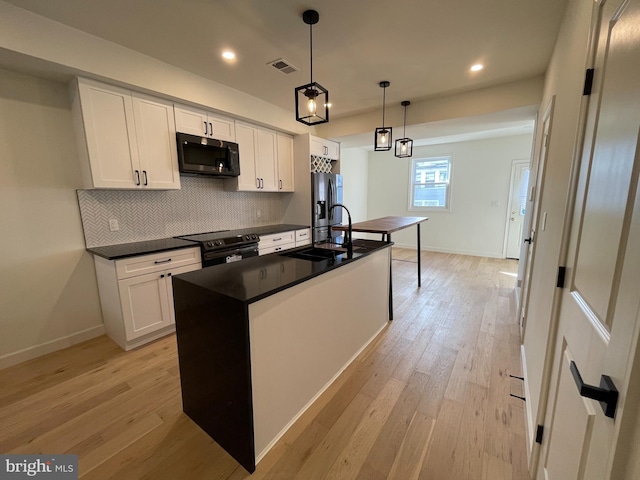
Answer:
(429, 399)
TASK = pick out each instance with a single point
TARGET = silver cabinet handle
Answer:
(211, 128)
(205, 128)
(280, 184)
(137, 177)
(277, 239)
(257, 182)
(144, 173)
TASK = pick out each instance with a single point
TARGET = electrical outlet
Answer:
(113, 225)
(258, 213)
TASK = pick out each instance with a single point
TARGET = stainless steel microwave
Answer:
(207, 156)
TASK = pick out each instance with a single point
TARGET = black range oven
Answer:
(224, 246)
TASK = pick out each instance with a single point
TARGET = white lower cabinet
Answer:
(136, 294)
(303, 237)
(276, 242)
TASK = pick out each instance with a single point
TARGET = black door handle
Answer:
(528, 240)
(606, 393)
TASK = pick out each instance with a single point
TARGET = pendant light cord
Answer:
(311, 52)
(404, 127)
(384, 96)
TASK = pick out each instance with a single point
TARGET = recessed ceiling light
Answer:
(228, 55)
(477, 67)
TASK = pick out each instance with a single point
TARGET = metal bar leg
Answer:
(390, 282)
(419, 251)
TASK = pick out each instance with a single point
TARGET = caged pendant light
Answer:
(404, 146)
(383, 134)
(312, 99)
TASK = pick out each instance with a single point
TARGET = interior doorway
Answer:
(517, 208)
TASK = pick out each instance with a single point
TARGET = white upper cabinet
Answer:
(204, 124)
(285, 163)
(324, 148)
(126, 140)
(258, 151)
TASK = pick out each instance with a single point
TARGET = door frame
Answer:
(514, 165)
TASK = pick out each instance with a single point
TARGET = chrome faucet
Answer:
(349, 232)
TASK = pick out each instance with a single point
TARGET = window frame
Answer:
(413, 183)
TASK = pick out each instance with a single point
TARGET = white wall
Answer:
(354, 167)
(48, 291)
(480, 177)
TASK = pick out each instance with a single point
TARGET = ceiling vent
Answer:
(284, 66)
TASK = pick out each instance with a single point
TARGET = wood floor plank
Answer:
(353, 456)
(428, 398)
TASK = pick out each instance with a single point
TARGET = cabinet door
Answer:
(145, 306)
(169, 277)
(317, 146)
(333, 150)
(107, 116)
(285, 163)
(156, 136)
(267, 165)
(191, 121)
(222, 128)
(246, 137)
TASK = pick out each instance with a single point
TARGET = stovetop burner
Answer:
(222, 239)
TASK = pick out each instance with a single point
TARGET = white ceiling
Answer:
(423, 47)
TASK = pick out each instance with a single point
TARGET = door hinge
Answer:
(588, 82)
(561, 273)
(539, 432)
(546, 140)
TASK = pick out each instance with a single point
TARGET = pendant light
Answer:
(312, 99)
(383, 134)
(404, 146)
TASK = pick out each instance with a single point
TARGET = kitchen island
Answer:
(259, 340)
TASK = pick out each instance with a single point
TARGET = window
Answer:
(430, 179)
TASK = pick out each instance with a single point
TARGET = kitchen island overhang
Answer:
(259, 340)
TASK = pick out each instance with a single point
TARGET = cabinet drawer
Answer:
(303, 236)
(276, 248)
(277, 239)
(155, 262)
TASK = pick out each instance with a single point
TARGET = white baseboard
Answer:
(30, 353)
(472, 253)
(528, 413)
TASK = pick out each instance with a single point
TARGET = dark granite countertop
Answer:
(255, 278)
(124, 250)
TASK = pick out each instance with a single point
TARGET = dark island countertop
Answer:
(124, 250)
(255, 278)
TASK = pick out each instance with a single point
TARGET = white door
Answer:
(145, 304)
(156, 134)
(285, 163)
(191, 121)
(267, 160)
(517, 207)
(599, 313)
(246, 137)
(527, 250)
(107, 114)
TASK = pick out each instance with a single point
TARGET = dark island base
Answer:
(222, 408)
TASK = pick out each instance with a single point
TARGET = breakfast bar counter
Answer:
(386, 226)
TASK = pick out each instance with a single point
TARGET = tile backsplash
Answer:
(201, 205)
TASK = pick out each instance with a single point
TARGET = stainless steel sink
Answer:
(314, 254)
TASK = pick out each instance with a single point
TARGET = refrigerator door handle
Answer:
(330, 202)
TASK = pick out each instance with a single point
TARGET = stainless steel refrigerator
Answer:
(326, 191)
